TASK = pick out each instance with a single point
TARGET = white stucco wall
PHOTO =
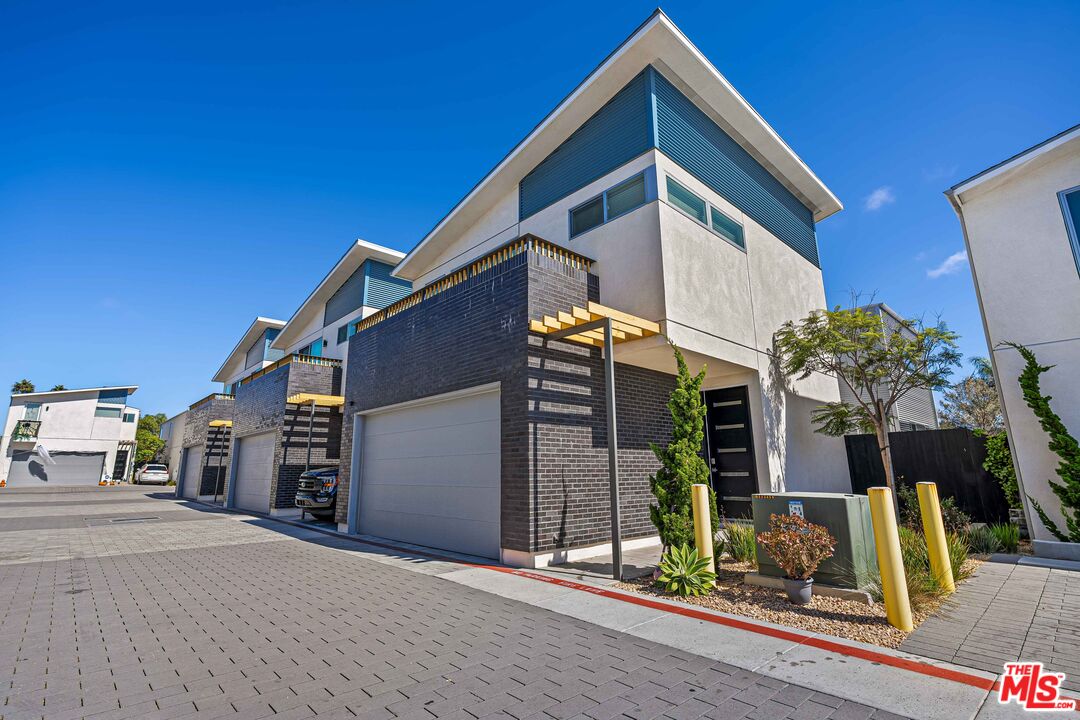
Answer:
(68, 424)
(172, 432)
(1029, 291)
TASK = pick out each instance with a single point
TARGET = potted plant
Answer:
(798, 547)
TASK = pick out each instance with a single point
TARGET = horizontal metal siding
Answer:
(382, 288)
(917, 406)
(690, 138)
(348, 297)
(616, 134)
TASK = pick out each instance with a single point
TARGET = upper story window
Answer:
(129, 417)
(32, 411)
(345, 332)
(107, 412)
(314, 349)
(113, 397)
(708, 215)
(608, 205)
(1070, 206)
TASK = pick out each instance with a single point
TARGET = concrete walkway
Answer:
(1004, 613)
(122, 605)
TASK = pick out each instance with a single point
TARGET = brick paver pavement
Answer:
(1005, 613)
(187, 613)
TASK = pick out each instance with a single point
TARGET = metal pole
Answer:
(310, 427)
(613, 452)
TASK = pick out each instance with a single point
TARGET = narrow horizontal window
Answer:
(727, 227)
(624, 198)
(587, 216)
(107, 412)
(686, 201)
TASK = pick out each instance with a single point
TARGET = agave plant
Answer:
(684, 573)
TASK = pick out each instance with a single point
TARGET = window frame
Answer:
(1071, 231)
(603, 198)
(36, 407)
(128, 415)
(710, 208)
(107, 409)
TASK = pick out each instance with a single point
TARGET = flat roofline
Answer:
(130, 388)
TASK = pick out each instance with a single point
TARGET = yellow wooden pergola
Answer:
(599, 326)
(221, 423)
(314, 400)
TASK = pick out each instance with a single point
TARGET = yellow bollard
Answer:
(890, 561)
(934, 531)
(703, 523)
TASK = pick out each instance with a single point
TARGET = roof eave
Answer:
(259, 324)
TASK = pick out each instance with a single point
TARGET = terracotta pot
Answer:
(799, 591)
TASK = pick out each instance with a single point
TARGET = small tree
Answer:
(22, 386)
(999, 463)
(1062, 444)
(148, 442)
(878, 364)
(57, 388)
(681, 463)
(973, 402)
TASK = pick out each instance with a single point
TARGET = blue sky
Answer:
(169, 172)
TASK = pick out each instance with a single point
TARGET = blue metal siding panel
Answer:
(113, 397)
(382, 288)
(348, 297)
(690, 138)
(616, 134)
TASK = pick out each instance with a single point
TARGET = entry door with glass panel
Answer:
(730, 445)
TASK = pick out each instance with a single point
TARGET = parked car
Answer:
(151, 474)
(317, 492)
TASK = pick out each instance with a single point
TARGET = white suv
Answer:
(152, 473)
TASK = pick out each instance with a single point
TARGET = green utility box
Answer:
(854, 562)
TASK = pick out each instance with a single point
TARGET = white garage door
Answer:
(431, 474)
(192, 471)
(67, 468)
(254, 470)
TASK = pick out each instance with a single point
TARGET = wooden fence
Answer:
(951, 458)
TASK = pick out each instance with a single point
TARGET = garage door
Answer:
(70, 468)
(192, 471)
(254, 470)
(431, 475)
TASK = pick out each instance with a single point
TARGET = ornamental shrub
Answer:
(999, 464)
(681, 463)
(796, 545)
(683, 573)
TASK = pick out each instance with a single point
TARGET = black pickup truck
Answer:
(317, 492)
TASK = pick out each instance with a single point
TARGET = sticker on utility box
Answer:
(794, 507)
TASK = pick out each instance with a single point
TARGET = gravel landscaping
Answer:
(833, 616)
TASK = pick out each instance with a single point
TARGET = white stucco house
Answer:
(1020, 220)
(69, 437)
(172, 432)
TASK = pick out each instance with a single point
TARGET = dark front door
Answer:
(729, 442)
(120, 466)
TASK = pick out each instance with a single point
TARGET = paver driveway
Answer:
(174, 611)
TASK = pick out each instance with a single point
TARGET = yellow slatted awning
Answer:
(220, 423)
(316, 399)
(624, 326)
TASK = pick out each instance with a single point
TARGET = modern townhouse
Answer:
(287, 413)
(653, 196)
(206, 434)
(1029, 293)
(916, 410)
(69, 437)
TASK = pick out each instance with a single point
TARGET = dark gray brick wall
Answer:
(261, 407)
(554, 437)
(215, 440)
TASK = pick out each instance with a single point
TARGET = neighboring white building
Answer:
(172, 432)
(1020, 221)
(69, 437)
(916, 409)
